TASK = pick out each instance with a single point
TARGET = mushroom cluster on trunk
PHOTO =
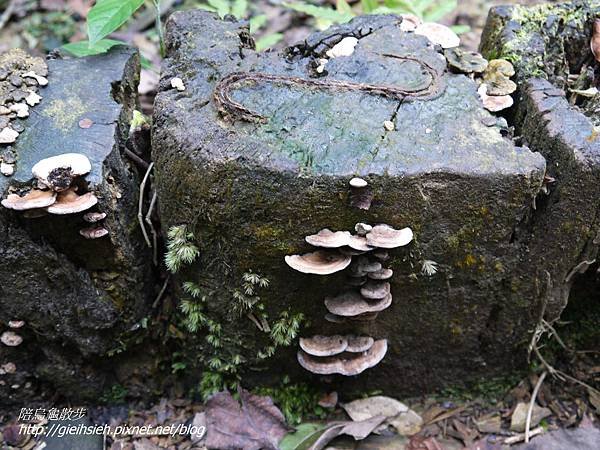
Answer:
(57, 191)
(21, 76)
(368, 293)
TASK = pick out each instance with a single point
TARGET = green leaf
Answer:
(368, 6)
(268, 41)
(320, 12)
(257, 22)
(460, 29)
(439, 10)
(343, 7)
(239, 8)
(306, 434)
(222, 6)
(401, 7)
(83, 48)
(108, 15)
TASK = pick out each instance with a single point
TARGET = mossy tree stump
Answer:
(250, 193)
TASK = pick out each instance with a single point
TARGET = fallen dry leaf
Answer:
(423, 443)
(358, 430)
(255, 424)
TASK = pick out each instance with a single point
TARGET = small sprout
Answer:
(438, 34)
(11, 339)
(8, 136)
(177, 83)
(429, 268)
(343, 48)
(388, 125)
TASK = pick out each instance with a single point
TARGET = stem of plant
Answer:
(159, 29)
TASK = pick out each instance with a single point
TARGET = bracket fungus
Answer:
(375, 290)
(358, 344)
(319, 263)
(358, 183)
(93, 217)
(410, 22)
(383, 274)
(329, 239)
(494, 103)
(31, 200)
(93, 232)
(57, 172)
(347, 364)
(384, 236)
(343, 48)
(11, 339)
(68, 202)
(324, 345)
(8, 136)
(362, 228)
(465, 61)
(350, 304)
(438, 34)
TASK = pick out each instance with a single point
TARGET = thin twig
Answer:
(162, 291)
(141, 205)
(8, 12)
(519, 437)
(532, 404)
(148, 220)
(136, 159)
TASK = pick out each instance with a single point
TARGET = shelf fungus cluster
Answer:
(21, 76)
(344, 355)
(368, 293)
(56, 190)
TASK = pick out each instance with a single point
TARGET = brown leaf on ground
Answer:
(255, 424)
(423, 443)
(485, 444)
(358, 430)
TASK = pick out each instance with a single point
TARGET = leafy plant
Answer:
(180, 248)
(426, 10)
(105, 17)
(240, 10)
(296, 401)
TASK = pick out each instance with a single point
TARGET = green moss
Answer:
(491, 390)
(298, 402)
(65, 112)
